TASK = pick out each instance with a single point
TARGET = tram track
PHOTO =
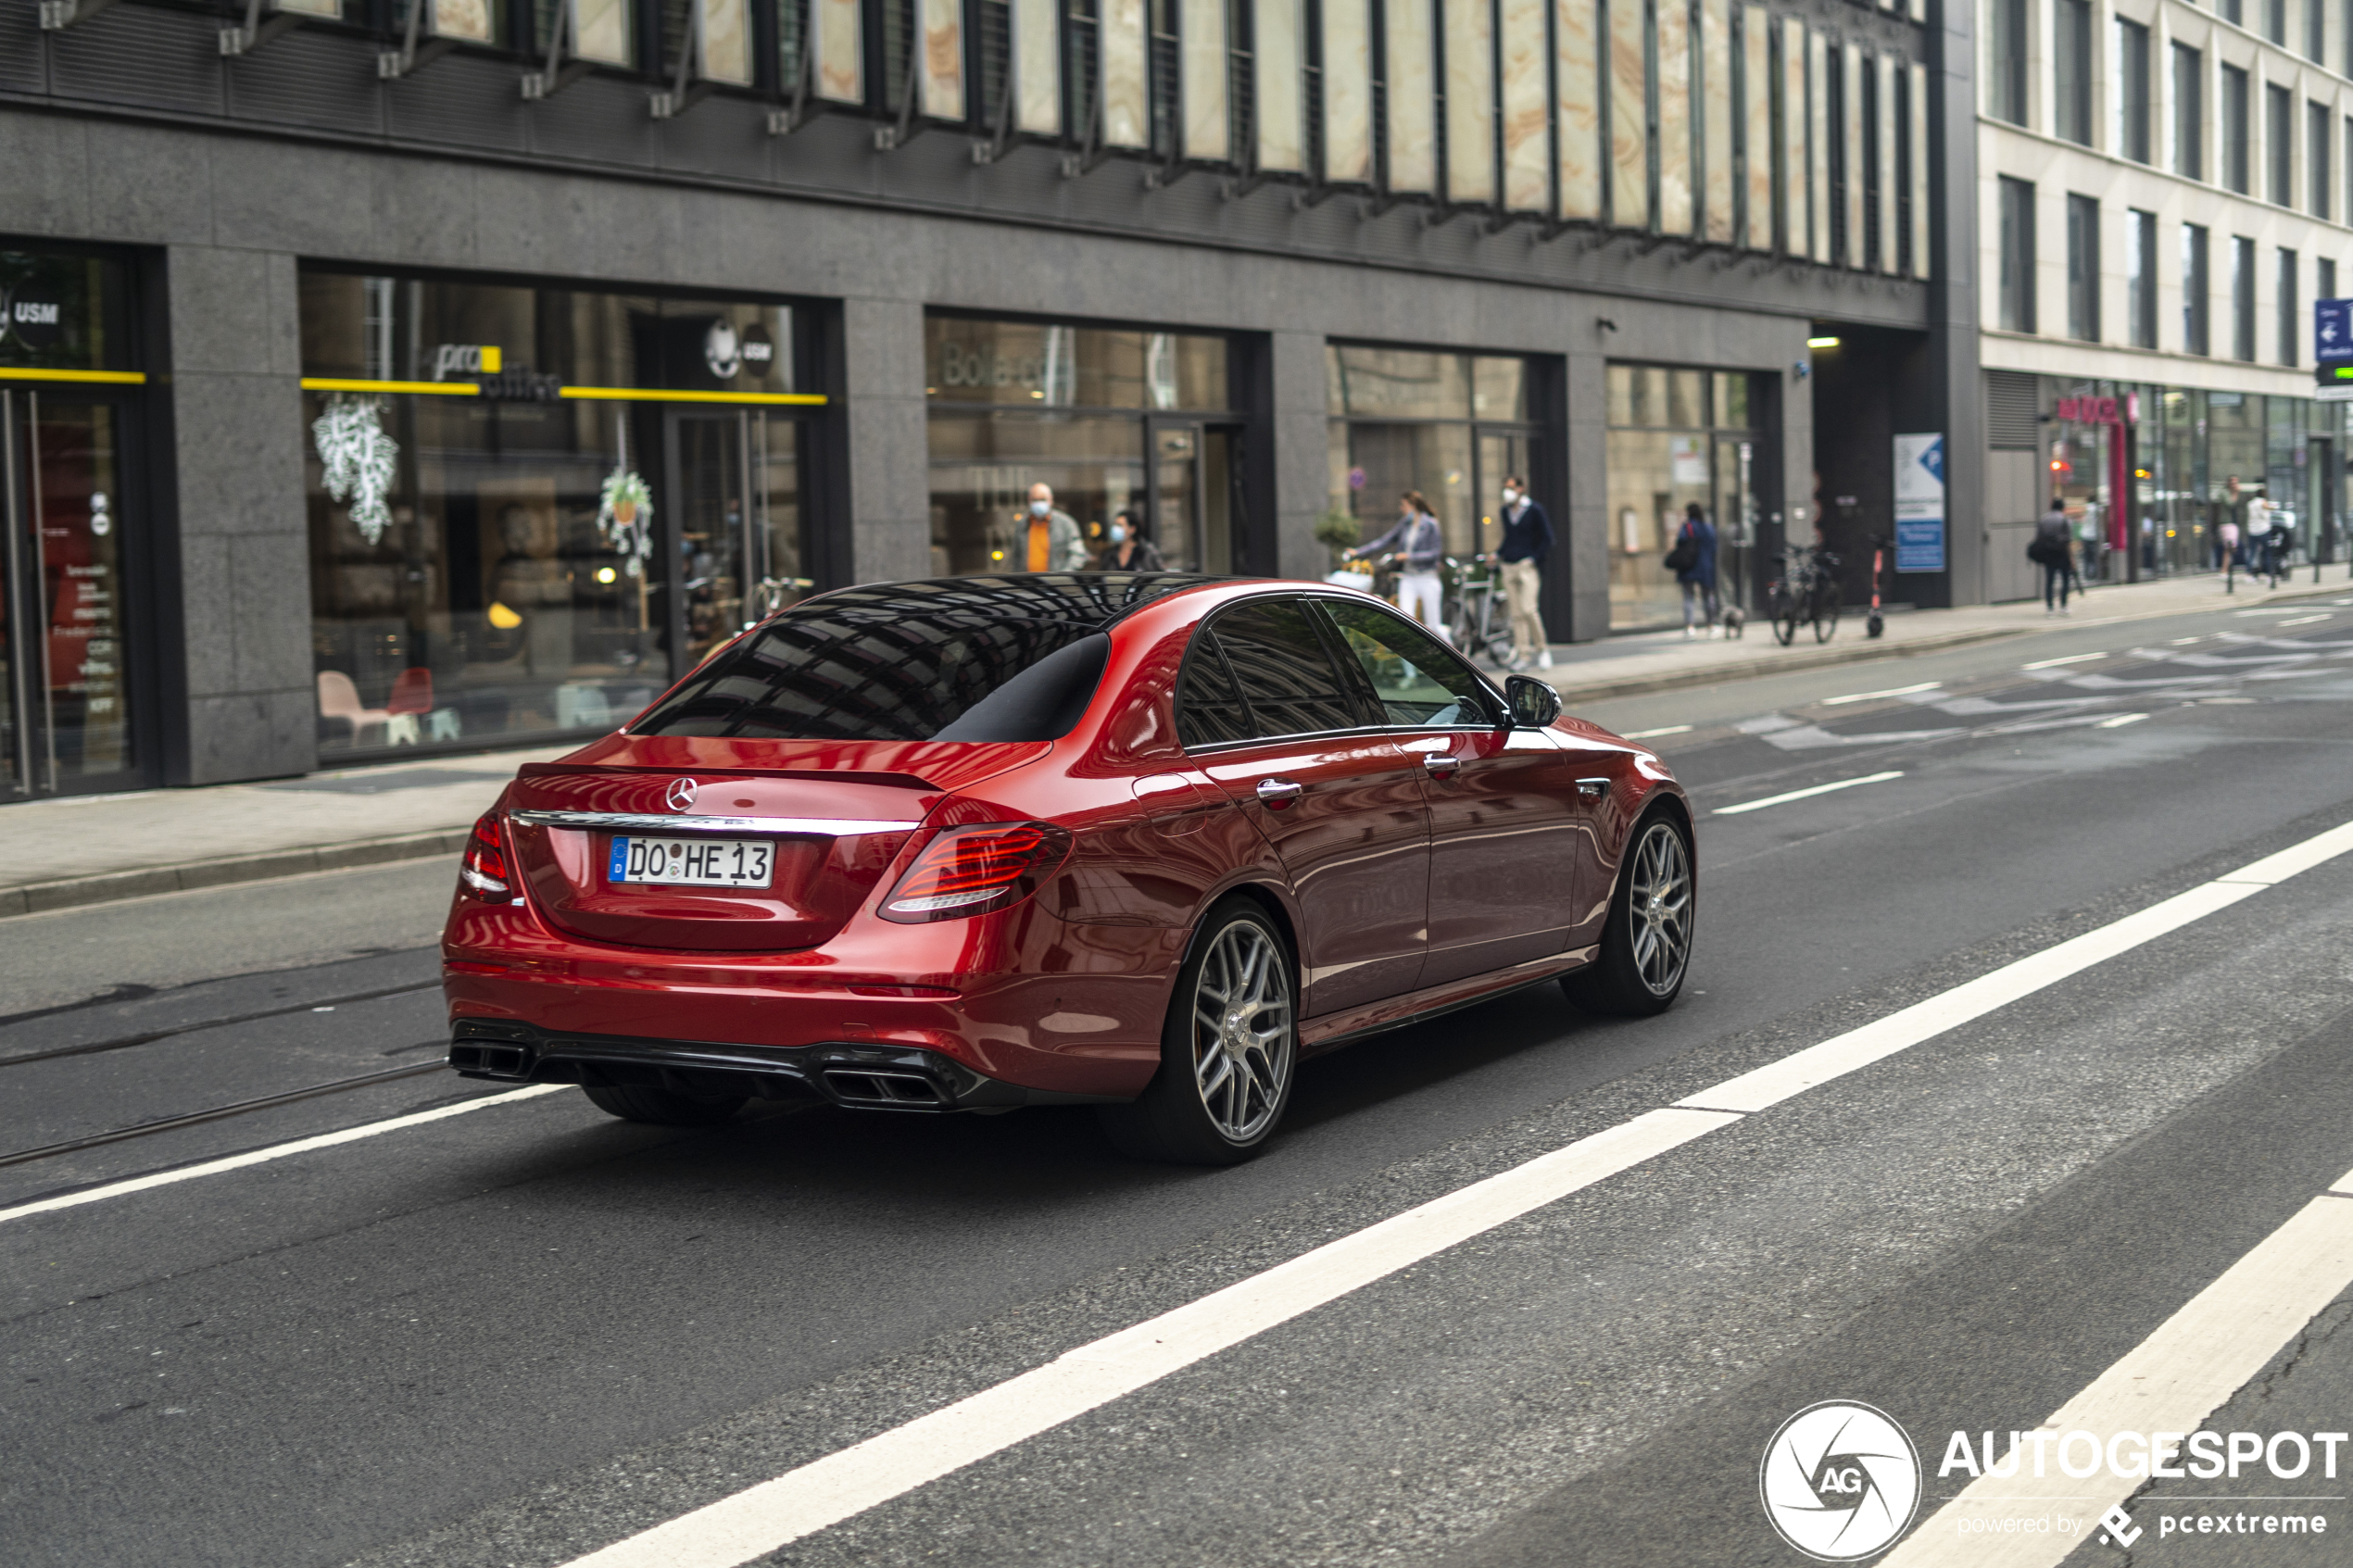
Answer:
(223, 1112)
(150, 1036)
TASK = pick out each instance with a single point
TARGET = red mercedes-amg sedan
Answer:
(1139, 841)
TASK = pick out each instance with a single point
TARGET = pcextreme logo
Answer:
(1840, 1481)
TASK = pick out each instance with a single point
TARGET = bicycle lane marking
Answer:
(809, 1497)
(1811, 790)
(275, 1151)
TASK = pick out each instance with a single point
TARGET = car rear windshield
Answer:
(972, 660)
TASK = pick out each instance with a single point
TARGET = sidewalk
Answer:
(91, 849)
(1655, 662)
(88, 849)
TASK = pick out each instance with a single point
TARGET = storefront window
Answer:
(1676, 437)
(66, 394)
(1112, 419)
(541, 547)
(1452, 426)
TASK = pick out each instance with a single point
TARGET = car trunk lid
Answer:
(836, 815)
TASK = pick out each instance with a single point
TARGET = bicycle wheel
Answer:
(1825, 610)
(1783, 607)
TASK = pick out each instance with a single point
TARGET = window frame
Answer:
(1359, 694)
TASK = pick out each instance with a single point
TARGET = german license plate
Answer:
(693, 862)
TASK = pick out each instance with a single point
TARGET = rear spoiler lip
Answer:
(899, 781)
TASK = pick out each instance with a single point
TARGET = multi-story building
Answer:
(2167, 190)
(386, 378)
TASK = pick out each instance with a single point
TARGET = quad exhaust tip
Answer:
(855, 1086)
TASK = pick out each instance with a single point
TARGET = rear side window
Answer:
(1208, 707)
(1284, 669)
(963, 673)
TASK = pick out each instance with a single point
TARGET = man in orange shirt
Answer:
(1054, 542)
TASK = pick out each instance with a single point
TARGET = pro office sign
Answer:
(1919, 503)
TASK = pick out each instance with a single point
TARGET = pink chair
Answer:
(338, 698)
(411, 692)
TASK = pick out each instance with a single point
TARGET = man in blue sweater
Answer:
(1527, 540)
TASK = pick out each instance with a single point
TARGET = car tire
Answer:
(1225, 1081)
(662, 1108)
(1647, 945)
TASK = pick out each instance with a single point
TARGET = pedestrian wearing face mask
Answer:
(1528, 540)
(1128, 550)
(1054, 542)
(1422, 545)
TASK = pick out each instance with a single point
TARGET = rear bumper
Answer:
(863, 1077)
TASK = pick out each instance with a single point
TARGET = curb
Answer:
(1785, 663)
(32, 897)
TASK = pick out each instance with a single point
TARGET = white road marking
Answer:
(772, 1514)
(2305, 620)
(276, 1152)
(851, 1480)
(1653, 735)
(2120, 721)
(1803, 793)
(2170, 1382)
(1867, 697)
(1841, 1054)
(2055, 663)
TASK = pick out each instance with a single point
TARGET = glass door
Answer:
(736, 519)
(66, 717)
(1500, 455)
(1735, 519)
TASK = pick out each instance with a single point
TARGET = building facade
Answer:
(2169, 189)
(385, 379)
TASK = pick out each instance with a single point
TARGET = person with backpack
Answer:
(2052, 551)
(1693, 560)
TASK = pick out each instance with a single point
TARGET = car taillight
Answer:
(484, 871)
(972, 871)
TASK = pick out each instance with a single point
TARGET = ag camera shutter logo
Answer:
(1840, 1481)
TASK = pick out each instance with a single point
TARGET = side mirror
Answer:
(1533, 703)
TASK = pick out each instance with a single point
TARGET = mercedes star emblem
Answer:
(681, 793)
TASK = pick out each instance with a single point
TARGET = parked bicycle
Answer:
(1475, 615)
(1807, 590)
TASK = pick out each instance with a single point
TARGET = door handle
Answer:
(1442, 764)
(1276, 793)
(1592, 789)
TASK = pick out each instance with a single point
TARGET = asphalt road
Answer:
(521, 1333)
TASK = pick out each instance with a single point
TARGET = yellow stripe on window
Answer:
(652, 394)
(346, 384)
(99, 378)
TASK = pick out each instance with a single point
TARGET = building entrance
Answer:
(64, 715)
(735, 501)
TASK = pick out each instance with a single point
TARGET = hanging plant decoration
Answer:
(626, 517)
(360, 459)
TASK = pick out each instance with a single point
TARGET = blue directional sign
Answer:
(2333, 339)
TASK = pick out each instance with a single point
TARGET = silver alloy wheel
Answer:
(1659, 904)
(1242, 1043)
